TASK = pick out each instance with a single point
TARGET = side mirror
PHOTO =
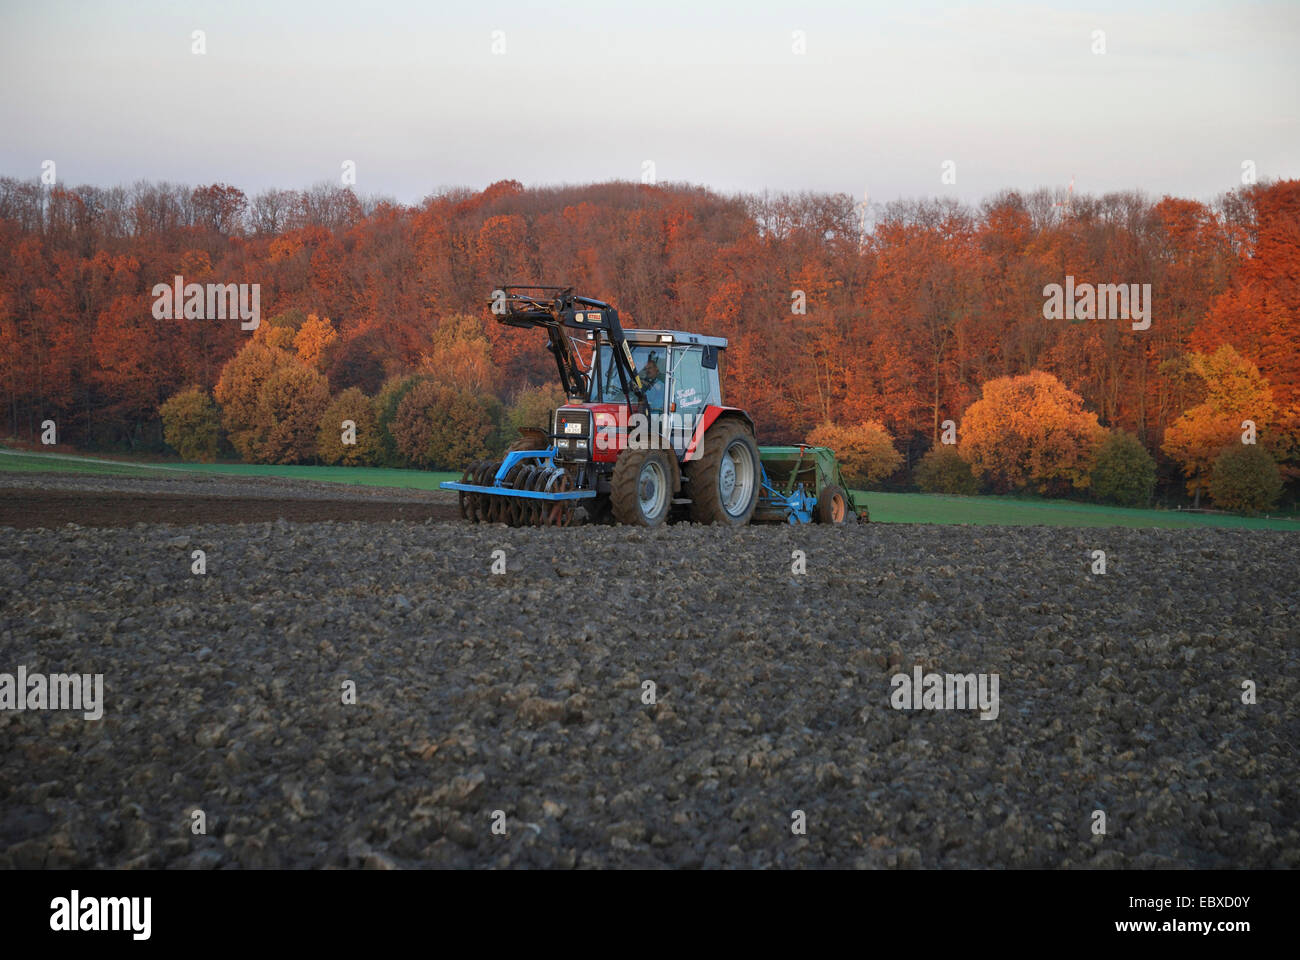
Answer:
(710, 359)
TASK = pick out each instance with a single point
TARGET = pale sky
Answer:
(711, 93)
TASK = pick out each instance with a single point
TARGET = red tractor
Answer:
(644, 433)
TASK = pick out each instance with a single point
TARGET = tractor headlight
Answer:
(572, 434)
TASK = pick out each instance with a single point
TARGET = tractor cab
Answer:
(679, 374)
(682, 366)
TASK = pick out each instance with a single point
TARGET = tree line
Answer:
(900, 323)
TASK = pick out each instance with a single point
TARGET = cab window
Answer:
(690, 380)
(606, 387)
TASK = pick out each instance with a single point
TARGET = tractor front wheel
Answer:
(724, 481)
(641, 488)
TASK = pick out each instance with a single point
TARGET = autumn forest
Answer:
(903, 323)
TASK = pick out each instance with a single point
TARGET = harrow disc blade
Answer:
(494, 504)
(537, 483)
(510, 505)
(472, 499)
(463, 498)
(519, 505)
(559, 513)
(480, 500)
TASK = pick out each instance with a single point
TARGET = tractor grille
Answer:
(572, 434)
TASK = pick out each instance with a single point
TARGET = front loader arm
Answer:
(566, 309)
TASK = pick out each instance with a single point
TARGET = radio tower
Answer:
(864, 218)
(1068, 205)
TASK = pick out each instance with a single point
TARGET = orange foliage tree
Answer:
(314, 341)
(1030, 432)
(1260, 314)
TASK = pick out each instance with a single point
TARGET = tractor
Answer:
(644, 436)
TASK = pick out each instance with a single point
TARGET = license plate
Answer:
(573, 427)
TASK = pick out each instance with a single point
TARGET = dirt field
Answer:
(53, 508)
(519, 700)
(54, 500)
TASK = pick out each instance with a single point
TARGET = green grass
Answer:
(935, 508)
(14, 462)
(23, 462)
(885, 507)
(366, 476)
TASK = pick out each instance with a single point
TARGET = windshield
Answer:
(651, 361)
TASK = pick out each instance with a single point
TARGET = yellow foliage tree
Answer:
(533, 407)
(290, 405)
(460, 355)
(239, 392)
(191, 425)
(331, 440)
(442, 427)
(1235, 392)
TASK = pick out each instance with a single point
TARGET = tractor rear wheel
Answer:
(832, 505)
(641, 488)
(724, 481)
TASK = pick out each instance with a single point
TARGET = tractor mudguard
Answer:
(695, 449)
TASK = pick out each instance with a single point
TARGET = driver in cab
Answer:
(653, 382)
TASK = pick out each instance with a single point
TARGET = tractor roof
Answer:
(673, 336)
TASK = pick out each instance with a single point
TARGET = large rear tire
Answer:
(641, 489)
(724, 481)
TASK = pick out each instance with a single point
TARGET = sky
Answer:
(884, 99)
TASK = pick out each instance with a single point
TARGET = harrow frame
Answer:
(499, 489)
